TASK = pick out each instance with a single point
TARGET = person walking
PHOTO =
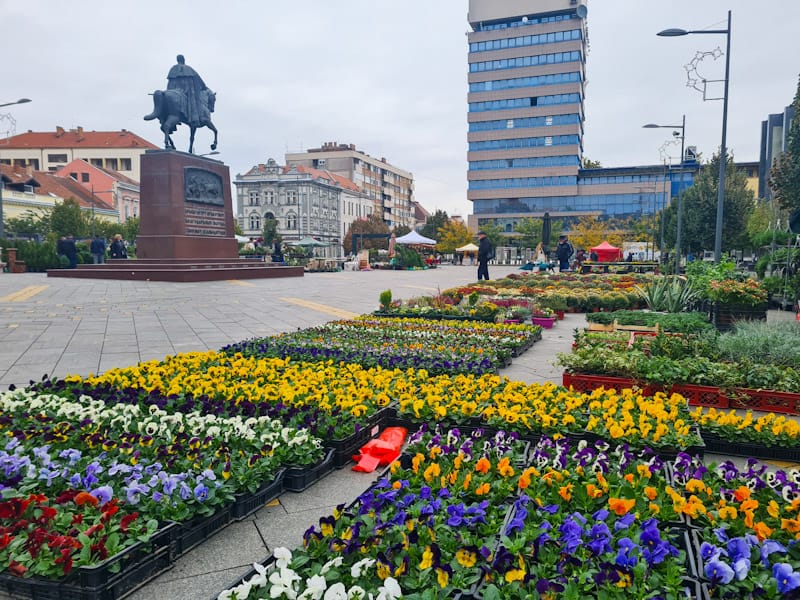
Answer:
(118, 247)
(485, 254)
(564, 252)
(98, 250)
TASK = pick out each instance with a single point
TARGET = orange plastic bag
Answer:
(380, 451)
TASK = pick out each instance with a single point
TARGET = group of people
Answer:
(67, 248)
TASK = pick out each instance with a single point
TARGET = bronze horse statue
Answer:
(167, 109)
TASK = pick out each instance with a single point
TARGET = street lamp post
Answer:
(2, 225)
(682, 127)
(723, 154)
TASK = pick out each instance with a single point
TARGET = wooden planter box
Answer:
(724, 316)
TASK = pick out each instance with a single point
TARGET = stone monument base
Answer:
(182, 270)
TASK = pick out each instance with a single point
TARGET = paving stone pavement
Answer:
(61, 326)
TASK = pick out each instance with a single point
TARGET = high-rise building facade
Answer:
(526, 113)
(774, 140)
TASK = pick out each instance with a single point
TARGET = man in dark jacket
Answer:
(564, 252)
(484, 256)
(71, 251)
(98, 250)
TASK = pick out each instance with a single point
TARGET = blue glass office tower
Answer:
(526, 92)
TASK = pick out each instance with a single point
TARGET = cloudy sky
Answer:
(387, 75)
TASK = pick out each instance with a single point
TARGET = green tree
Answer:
(401, 230)
(433, 223)
(588, 163)
(529, 232)
(372, 225)
(29, 223)
(784, 177)
(700, 210)
(452, 235)
(270, 231)
(495, 234)
(66, 218)
(130, 229)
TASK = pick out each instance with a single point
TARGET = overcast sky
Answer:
(387, 75)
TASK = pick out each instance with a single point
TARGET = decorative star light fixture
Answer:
(694, 79)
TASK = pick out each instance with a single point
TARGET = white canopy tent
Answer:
(414, 239)
(468, 248)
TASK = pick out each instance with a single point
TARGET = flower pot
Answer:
(560, 315)
(545, 322)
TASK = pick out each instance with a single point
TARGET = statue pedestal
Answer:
(186, 208)
(186, 227)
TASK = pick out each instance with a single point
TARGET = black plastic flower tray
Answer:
(112, 579)
(196, 531)
(344, 449)
(267, 562)
(682, 539)
(718, 445)
(246, 504)
(297, 479)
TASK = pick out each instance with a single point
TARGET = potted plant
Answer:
(543, 316)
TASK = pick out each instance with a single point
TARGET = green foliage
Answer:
(700, 210)
(672, 294)
(372, 225)
(494, 232)
(762, 342)
(270, 231)
(407, 257)
(784, 177)
(66, 218)
(529, 231)
(37, 257)
(777, 260)
(432, 225)
(701, 273)
(385, 299)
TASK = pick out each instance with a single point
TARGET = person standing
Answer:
(564, 252)
(98, 250)
(484, 256)
(118, 248)
(71, 251)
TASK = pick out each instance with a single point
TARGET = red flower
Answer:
(94, 529)
(48, 514)
(67, 496)
(85, 498)
(17, 568)
(99, 550)
(14, 508)
(109, 509)
(126, 521)
(65, 559)
(5, 540)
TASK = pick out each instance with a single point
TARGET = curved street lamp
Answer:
(682, 127)
(20, 101)
(723, 154)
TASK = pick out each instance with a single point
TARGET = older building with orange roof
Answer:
(112, 187)
(51, 150)
(304, 201)
(25, 190)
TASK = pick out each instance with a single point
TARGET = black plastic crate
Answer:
(716, 444)
(112, 579)
(246, 504)
(267, 562)
(344, 449)
(196, 531)
(297, 479)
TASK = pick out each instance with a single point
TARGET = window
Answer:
(84, 177)
(112, 163)
(125, 164)
(97, 162)
(291, 222)
(255, 222)
(57, 158)
(269, 197)
(291, 197)
(254, 198)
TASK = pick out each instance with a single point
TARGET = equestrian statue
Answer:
(186, 100)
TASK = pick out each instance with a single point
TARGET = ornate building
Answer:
(305, 202)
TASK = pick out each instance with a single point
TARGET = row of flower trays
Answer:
(487, 516)
(99, 498)
(783, 446)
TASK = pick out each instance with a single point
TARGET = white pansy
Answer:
(390, 590)
(357, 593)
(282, 582)
(336, 562)
(283, 556)
(315, 588)
(336, 592)
(360, 566)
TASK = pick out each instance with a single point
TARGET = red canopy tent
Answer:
(607, 253)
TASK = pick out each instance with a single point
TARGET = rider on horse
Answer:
(186, 100)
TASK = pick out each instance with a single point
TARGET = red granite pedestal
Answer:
(186, 229)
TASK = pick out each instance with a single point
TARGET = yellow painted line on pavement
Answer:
(25, 293)
(329, 310)
(239, 282)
